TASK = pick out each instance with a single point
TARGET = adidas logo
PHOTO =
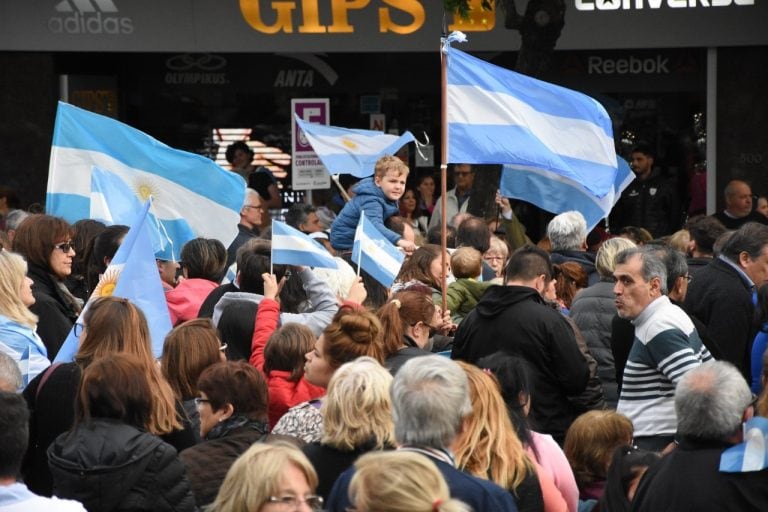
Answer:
(89, 17)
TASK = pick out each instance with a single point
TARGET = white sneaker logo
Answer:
(89, 17)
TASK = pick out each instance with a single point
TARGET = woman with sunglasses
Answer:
(406, 321)
(46, 244)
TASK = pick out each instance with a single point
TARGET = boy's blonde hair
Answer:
(389, 163)
(466, 262)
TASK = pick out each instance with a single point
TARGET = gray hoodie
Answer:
(322, 304)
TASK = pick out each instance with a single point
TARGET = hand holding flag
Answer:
(375, 254)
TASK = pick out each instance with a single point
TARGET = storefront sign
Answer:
(308, 172)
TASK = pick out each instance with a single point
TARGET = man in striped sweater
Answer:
(666, 346)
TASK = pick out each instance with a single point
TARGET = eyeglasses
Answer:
(78, 329)
(65, 247)
(463, 173)
(753, 403)
(199, 401)
(688, 277)
(493, 258)
(294, 502)
(251, 206)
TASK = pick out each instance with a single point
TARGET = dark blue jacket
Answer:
(481, 495)
(369, 199)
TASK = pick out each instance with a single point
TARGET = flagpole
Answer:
(360, 249)
(271, 250)
(443, 167)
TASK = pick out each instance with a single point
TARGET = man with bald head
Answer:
(738, 206)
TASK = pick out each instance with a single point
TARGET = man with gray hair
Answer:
(248, 227)
(567, 233)
(10, 374)
(12, 222)
(430, 402)
(712, 401)
(722, 295)
(665, 347)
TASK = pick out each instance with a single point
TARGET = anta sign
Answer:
(613, 5)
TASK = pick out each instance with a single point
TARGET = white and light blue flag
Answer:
(375, 254)
(292, 247)
(752, 453)
(132, 275)
(497, 116)
(557, 194)
(193, 197)
(113, 202)
(351, 151)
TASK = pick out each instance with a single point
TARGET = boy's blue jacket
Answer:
(370, 199)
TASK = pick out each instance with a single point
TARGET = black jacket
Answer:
(56, 311)
(722, 300)
(517, 320)
(583, 258)
(108, 465)
(651, 204)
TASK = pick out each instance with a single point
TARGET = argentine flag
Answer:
(192, 196)
(557, 194)
(348, 151)
(752, 453)
(132, 275)
(292, 247)
(497, 116)
(113, 202)
(375, 254)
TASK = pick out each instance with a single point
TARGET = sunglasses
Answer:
(65, 247)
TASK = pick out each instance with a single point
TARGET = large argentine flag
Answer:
(132, 275)
(557, 194)
(292, 247)
(348, 151)
(497, 116)
(375, 254)
(192, 196)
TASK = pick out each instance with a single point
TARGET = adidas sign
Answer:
(89, 17)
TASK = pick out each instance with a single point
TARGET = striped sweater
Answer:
(666, 346)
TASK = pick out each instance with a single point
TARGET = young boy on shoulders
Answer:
(377, 197)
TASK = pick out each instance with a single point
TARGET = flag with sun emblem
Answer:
(192, 196)
(375, 254)
(348, 151)
(132, 275)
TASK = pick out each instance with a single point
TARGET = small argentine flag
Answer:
(292, 247)
(375, 254)
(750, 455)
(351, 151)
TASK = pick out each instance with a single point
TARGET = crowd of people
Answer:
(566, 375)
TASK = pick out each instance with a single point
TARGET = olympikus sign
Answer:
(613, 5)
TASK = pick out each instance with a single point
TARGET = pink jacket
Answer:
(185, 300)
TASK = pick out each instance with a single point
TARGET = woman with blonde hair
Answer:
(488, 447)
(189, 349)
(110, 325)
(17, 322)
(593, 310)
(357, 418)
(269, 477)
(496, 256)
(400, 481)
